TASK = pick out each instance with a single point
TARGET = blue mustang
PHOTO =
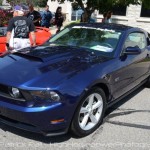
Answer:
(69, 82)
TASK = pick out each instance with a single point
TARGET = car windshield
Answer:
(93, 39)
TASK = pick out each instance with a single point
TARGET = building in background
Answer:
(133, 15)
(66, 8)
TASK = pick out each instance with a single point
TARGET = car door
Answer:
(132, 69)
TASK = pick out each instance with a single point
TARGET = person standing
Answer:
(104, 19)
(46, 17)
(59, 18)
(18, 30)
(109, 14)
(34, 15)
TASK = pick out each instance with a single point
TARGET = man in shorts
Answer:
(18, 31)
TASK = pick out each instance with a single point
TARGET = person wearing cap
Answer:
(18, 30)
(34, 15)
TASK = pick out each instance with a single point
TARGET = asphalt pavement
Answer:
(126, 127)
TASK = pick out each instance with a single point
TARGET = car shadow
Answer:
(123, 101)
(124, 112)
(66, 137)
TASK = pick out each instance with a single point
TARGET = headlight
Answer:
(54, 96)
(45, 95)
(14, 92)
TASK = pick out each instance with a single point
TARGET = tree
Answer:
(89, 6)
(1, 2)
(40, 3)
(5, 17)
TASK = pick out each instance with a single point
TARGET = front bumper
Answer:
(36, 119)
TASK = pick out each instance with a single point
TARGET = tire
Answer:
(89, 113)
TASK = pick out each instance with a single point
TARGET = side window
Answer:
(136, 39)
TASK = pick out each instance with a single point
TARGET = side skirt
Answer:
(121, 97)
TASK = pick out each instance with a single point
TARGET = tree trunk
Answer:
(86, 16)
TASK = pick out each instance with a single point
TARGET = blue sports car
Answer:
(68, 83)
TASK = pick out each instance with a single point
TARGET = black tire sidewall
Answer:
(75, 127)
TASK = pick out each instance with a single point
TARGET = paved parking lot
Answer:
(126, 127)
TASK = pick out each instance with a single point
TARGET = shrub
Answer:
(5, 16)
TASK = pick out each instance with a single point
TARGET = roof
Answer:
(111, 26)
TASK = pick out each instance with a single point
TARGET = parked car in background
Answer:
(42, 35)
(68, 83)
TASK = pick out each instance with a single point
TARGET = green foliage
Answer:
(41, 3)
(5, 16)
(146, 4)
(1, 2)
(97, 4)
(88, 6)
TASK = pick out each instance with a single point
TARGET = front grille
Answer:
(4, 89)
(14, 121)
(18, 124)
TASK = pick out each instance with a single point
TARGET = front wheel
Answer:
(89, 113)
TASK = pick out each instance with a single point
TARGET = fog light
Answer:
(15, 93)
(54, 96)
(57, 121)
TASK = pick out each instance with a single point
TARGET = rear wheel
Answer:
(90, 112)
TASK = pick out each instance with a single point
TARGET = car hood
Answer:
(43, 66)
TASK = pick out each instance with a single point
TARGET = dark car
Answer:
(69, 82)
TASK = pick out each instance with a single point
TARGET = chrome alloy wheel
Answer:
(91, 111)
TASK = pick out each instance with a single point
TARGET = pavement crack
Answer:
(129, 124)
(122, 113)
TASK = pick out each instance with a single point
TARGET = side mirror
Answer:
(132, 50)
(148, 41)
